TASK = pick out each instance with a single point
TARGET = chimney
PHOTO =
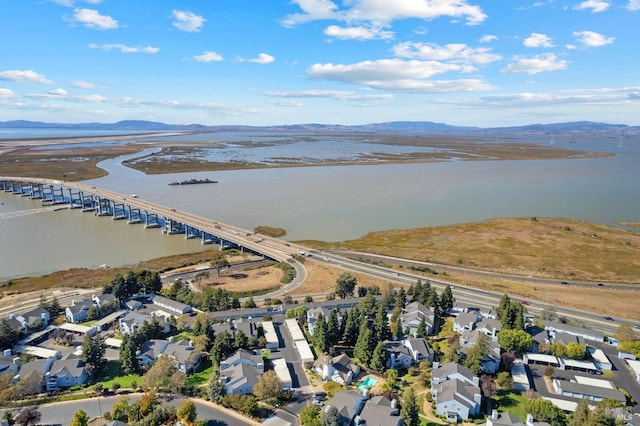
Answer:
(7, 352)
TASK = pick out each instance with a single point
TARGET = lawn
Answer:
(511, 402)
(203, 374)
(112, 373)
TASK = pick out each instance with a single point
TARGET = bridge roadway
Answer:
(283, 251)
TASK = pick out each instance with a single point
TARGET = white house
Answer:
(77, 311)
(339, 369)
(414, 313)
(457, 400)
(65, 373)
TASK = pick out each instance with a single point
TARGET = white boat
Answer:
(105, 266)
(133, 195)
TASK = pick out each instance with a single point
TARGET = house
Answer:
(503, 419)
(414, 313)
(379, 411)
(585, 333)
(247, 325)
(452, 370)
(339, 369)
(349, 405)
(239, 379)
(398, 355)
(9, 363)
(489, 327)
(184, 355)
(590, 389)
(132, 304)
(244, 357)
(282, 371)
(456, 400)
(270, 335)
(419, 349)
(313, 314)
(78, 311)
(171, 306)
(105, 302)
(465, 321)
(65, 373)
(150, 351)
(520, 376)
(132, 322)
(490, 362)
(34, 319)
(30, 377)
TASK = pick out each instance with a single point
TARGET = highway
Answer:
(283, 251)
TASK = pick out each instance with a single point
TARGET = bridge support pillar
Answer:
(173, 226)
(134, 216)
(151, 220)
(88, 203)
(191, 232)
(75, 199)
(36, 191)
(47, 193)
(119, 212)
(104, 207)
(58, 195)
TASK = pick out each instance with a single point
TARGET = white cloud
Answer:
(536, 64)
(487, 38)
(332, 94)
(592, 39)
(83, 84)
(124, 48)
(454, 52)
(187, 21)
(7, 93)
(538, 40)
(358, 33)
(208, 56)
(263, 58)
(382, 12)
(24, 76)
(595, 5)
(633, 5)
(397, 74)
(59, 92)
(91, 18)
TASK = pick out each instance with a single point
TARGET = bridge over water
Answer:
(135, 210)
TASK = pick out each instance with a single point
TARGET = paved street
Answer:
(62, 412)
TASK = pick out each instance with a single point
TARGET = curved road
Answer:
(283, 251)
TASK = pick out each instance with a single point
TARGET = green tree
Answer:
(268, 386)
(128, 357)
(80, 418)
(379, 358)
(398, 332)
(476, 353)
(330, 417)
(380, 329)
(333, 329)
(164, 375)
(215, 387)
(345, 285)
(351, 326)
(93, 350)
(517, 340)
(446, 299)
(545, 411)
(249, 303)
(310, 416)
(220, 262)
(410, 410)
(422, 328)
(320, 338)
(363, 350)
(504, 381)
(187, 412)
(241, 341)
(576, 351)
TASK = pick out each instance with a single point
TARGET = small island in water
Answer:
(193, 182)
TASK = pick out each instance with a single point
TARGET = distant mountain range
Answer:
(578, 127)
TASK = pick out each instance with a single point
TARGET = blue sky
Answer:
(484, 63)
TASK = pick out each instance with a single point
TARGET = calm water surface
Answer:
(325, 203)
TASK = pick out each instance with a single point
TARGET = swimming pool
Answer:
(367, 383)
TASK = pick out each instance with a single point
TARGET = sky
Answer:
(485, 63)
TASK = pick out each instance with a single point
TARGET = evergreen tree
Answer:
(351, 326)
(505, 303)
(93, 350)
(476, 353)
(381, 330)
(128, 358)
(447, 299)
(398, 332)
(333, 329)
(320, 334)
(241, 341)
(368, 305)
(363, 349)
(410, 410)
(379, 358)
(422, 328)
(330, 417)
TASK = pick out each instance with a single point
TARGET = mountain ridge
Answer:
(575, 127)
